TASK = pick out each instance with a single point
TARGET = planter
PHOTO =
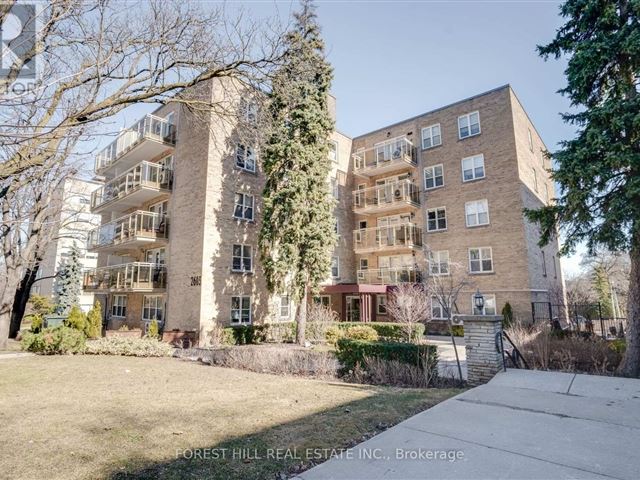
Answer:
(52, 321)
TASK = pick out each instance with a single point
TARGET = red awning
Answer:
(354, 288)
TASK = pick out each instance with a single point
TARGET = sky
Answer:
(394, 60)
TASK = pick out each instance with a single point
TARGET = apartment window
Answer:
(335, 188)
(333, 151)
(245, 158)
(436, 219)
(240, 310)
(544, 263)
(381, 304)
(437, 311)
(119, 307)
(480, 260)
(468, 125)
(364, 264)
(489, 307)
(324, 300)
(439, 262)
(242, 259)
(555, 268)
(285, 307)
(530, 139)
(243, 206)
(153, 307)
(335, 267)
(336, 227)
(249, 111)
(431, 136)
(535, 179)
(477, 213)
(472, 168)
(433, 177)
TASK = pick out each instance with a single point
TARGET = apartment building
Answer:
(181, 212)
(74, 219)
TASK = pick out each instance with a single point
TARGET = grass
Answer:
(123, 417)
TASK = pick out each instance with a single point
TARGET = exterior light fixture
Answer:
(478, 300)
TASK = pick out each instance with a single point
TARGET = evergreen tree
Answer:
(93, 327)
(297, 234)
(599, 170)
(69, 282)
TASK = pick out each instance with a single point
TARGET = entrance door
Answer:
(353, 308)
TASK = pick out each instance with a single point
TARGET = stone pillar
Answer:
(483, 358)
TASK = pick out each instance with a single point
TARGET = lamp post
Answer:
(478, 300)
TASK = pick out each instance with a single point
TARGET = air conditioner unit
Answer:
(398, 193)
(456, 320)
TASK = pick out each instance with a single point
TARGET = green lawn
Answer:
(120, 417)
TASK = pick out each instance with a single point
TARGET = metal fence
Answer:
(579, 317)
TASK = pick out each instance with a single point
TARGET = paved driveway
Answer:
(521, 425)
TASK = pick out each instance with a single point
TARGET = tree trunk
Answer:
(5, 320)
(302, 319)
(20, 300)
(630, 366)
(12, 282)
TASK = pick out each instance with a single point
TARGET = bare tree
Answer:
(409, 305)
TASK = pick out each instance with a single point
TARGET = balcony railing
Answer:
(389, 276)
(136, 229)
(386, 197)
(145, 175)
(131, 277)
(149, 127)
(391, 155)
(392, 237)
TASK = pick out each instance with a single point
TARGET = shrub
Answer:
(333, 334)
(353, 352)
(457, 330)
(246, 334)
(124, 328)
(319, 319)
(154, 330)
(36, 322)
(129, 346)
(93, 328)
(392, 331)
(54, 341)
(377, 371)
(281, 332)
(76, 319)
(40, 305)
(507, 315)
(361, 332)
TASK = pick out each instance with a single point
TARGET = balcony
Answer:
(393, 155)
(386, 198)
(134, 187)
(136, 230)
(147, 138)
(126, 277)
(394, 237)
(389, 276)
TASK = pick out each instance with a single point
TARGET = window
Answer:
(335, 188)
(364, 264)
(333, 151)
(439, 262)
(381, 304)
(436, 219)
(433, 177)
(555, 268)
(324, 300)
(284, 310)
(119, 307)
(489, 305)
(431, 136)
(468, 125)
(155, 255)
(480, 260)
(437, 311)
(153, 307)
(249, 111)
(530, 140)
(477, 213)
(535, 179)
(335, 267)
(473, 168)
(242, 259)
(240, 310)
(544, 263)
(336, 227)
(245, 158)
(243, 206)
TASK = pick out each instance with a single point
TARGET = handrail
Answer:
(138, 223)
(514, 355)
(398, 234)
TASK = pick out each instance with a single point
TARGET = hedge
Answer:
(54, 341)
(255, 334)
(389, 330)
(351, 352)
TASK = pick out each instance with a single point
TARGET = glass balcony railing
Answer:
(136, 276)
(135, 228)
(389, 276)
(397, 153)
(145, 175)
(149, 127)
(386, 196)
(392, 237)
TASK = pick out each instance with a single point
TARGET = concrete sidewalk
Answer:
(521, 425)
(447, 365)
